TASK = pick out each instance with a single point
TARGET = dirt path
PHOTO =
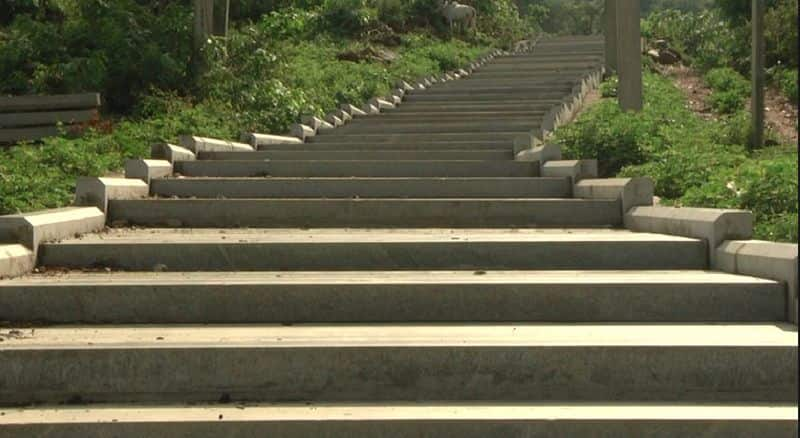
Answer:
(781, 115)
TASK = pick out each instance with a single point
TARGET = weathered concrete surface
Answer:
(395, 143)
(391, 296)
(418, 420)
(553, 187)
(15, 260)
(377, 249)
(91, 191)
(171, 153)
(369, 212)
(146, 170)
(508, 362)
(257, 140)
(302, 132)
(315, 123)
(713, 225)
(360, 168)
(30, 229)
(777, 261)
(375, 139)
(200, 144)
(632, 192)
(373, 154)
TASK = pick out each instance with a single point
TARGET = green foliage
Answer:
(730, 90)
(692, 161)
(786, 81)
(118, 48)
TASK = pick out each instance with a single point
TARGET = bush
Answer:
(692, 161)
(785, 79)
(120, 49)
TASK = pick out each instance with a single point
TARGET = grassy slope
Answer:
(301, 78)
(693, 162)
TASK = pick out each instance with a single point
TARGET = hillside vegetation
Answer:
(281, 60)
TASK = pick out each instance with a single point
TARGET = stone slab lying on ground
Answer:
(97, 192)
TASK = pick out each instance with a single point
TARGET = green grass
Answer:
(692, 161)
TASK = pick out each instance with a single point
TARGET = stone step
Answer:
(373, 249)
(387, 143)
(361, 168)
(442, 116)
(390, 296)
(473, 90)
(238, 188)
(387, 139)
(367, 212)
(404, 153)
(466, 125)
(465, 420)
(461, 107)
(401, 362)
(500, 97)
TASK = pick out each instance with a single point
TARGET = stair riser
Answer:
(332, 154)
(388, 213)
(508, 428)
(389, 373)
(488, 97)
(334, 169)
(389, 139)
(358, 302)
(365, 188)
(428, 117)
(235, 256)
(482, 126)
(459, 108)
(473, 90)
(374, 148)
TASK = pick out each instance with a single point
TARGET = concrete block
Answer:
(525, 142)
(370, 109)
(396, 99)
(772, 260)
(632, 192)
(542, 154)
(302, 131)
(403, 85)
(15, 260)
(93, 191)
(315, 123)
(30, 229)
(381, 104)
(171, 153)
(343, 115)
(146, 170)
(352, 110)
(562, 168)
(256, 140)
(463, 72)
(203, 144)
(713, 225)
(334, 120)
(399, 92)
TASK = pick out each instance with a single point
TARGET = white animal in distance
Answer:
(456, 13)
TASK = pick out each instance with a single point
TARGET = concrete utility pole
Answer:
(758, 61)
(629, 54)
(611, 35)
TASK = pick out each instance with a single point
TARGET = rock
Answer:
(660, 44)
(669, 57)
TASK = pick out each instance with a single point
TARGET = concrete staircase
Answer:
(399, 276)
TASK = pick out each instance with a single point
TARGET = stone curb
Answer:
(30, 229)
(713, 225)
(256, 140)
(16, 260)
(96, 192)
(171, 153)
(146, 170)
(632, 192)
(204, 144)
(771, 260)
